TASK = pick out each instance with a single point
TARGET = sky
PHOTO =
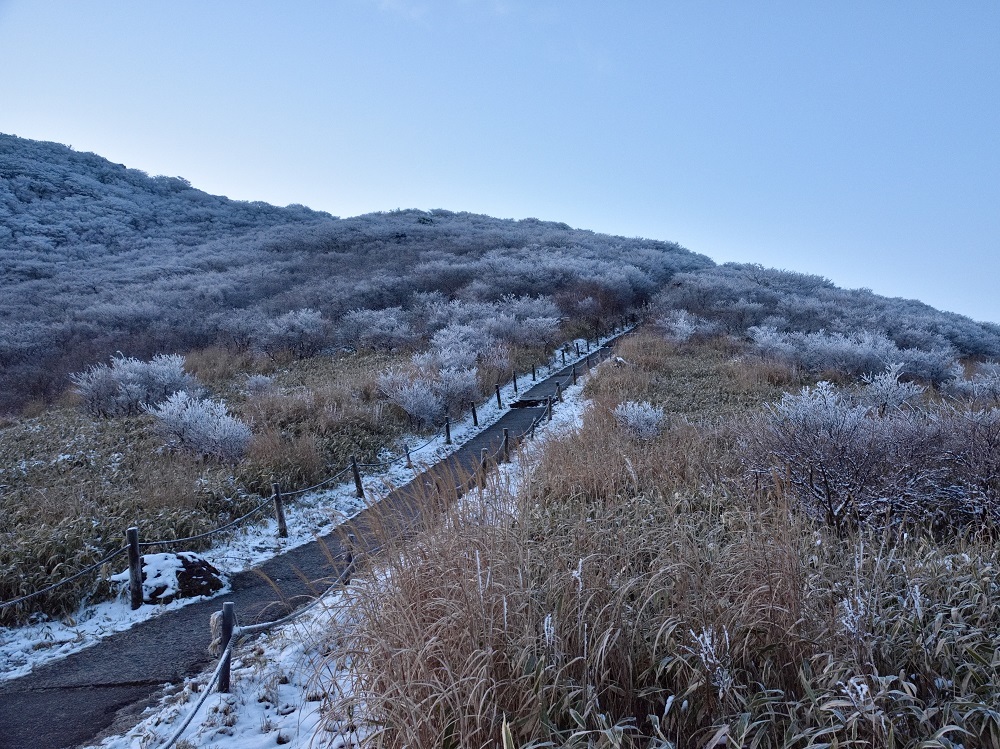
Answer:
(854, 140)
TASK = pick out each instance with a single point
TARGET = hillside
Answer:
(97, 258)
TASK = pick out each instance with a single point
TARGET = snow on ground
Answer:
(281, 678)
(308, 516)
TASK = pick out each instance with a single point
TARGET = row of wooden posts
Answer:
(228, 620)
(132, 534)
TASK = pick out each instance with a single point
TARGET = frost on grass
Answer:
(640, 419)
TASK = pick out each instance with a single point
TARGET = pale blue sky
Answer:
(857, 140)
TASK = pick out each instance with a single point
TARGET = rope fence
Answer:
(231, 632)
(133, 546)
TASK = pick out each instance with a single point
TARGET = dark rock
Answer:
(182, 574)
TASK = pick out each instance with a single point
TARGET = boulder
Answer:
(181, 574)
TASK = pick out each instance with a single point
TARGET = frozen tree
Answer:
(415, 393)
(886, 392)
(678, 325)
(457, 387)
(202, 426)
(303, 332)
(127, 386)
(383, 330)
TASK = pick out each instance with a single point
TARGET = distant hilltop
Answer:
(98, 258)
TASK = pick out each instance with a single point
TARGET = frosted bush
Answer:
(982, 387)
(126, 386)
(885, 391)
(640, 419)
(457, 387)
(678, 325)
(502, 326)
(497, 357)
(525, 308)
(846, 461)
(537, 331)
(859, 353)
(383, 330)
(202, 426)
(415, 393)
(303, 332)
(258, 384)
(459, 345)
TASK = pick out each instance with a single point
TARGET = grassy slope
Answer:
(643, 593)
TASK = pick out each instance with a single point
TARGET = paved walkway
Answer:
(70, 702)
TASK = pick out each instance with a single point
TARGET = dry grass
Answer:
(695, 380)
(639, 593)
(72, 484)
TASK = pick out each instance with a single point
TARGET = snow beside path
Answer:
(281, 678)
(308, 516)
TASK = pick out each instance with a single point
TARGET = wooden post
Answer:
(134, 568)
(532, 372)
(279, 512)
(499, 402)
(409, 463)
(515, 383)
(349, 569)
(505, 455)
(484, 457)
(475, 416)
(559, 391)
(228, 622)
(358, 486)
(587, 341)
(548, 408)
(564, 356)
(447, 430)
(574, 374)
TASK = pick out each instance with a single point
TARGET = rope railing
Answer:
(71, 578)
(320, 485)
(207, 534)
(297, 492)
(223, 661)
(234, 632)
(221, 672)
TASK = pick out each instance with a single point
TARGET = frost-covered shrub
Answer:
(258, 384)
(679, 325)
(127, 386)
(885, 391)
(202, 426)
(982, 387)
(525, 308)
(415, 393)
(537, 331)
(304, 332)
(640, 419)
(457, 387)
(847, 461)
(459, 345)
(532, 331)
(383, 329)
(857, 354)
